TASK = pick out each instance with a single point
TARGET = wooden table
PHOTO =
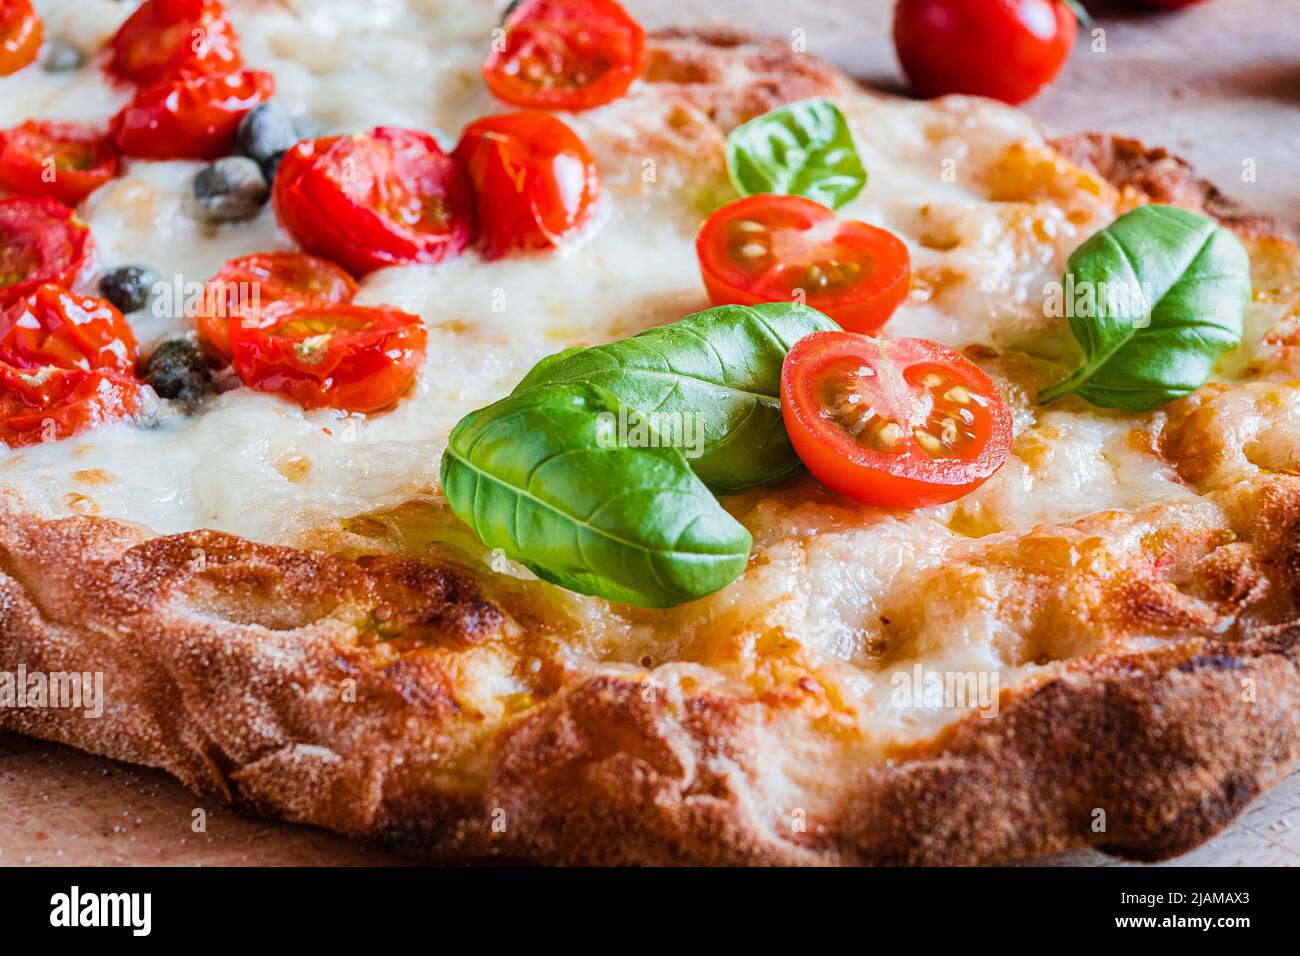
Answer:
(1219, 83)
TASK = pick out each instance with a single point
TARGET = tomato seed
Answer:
(890, 435)
(933, 447)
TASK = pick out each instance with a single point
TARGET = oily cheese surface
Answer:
(1105, 535)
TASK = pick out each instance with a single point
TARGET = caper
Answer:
(60, 57)
(129, 288)
(265, 133)
(230, 190)
(177, 370)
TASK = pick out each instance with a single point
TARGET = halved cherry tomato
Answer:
(254, 290)
(40, 241)
(534, 180)
(21, 33)
(52, 326)
(565, 55)
(164, 37)
(64, 161)
(342, 356)
(1006, 49)
(190, 116)
(898, 423)
(49, 404)
(389, 197)
(770, 248)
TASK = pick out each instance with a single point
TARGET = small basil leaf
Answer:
(709, 383)
(1080, 13)
(542, 476)
(802, 149)
(1155, 299)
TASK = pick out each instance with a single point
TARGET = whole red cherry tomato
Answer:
(163, 37)
(534, 180)
(21, 33)
(253, 290)
(51, 403)
(52, 326)
(1005, 49)
(384, 198)
(40, 241)
(64, 161)
(190, 116)
(338, 356)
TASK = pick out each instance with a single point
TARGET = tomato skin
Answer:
(165, 37)
(367, 365)
(40, 241)
(559, 39)
(863, 305)
(21, 35)
(190, 116)
(534, 180)
(352, 199)
(909, 478)
(52, 326)
(84, 160)
(1004, 49)
(281, 282)
(50, 404)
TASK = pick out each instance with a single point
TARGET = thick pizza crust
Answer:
(227, 665)
(252, 674)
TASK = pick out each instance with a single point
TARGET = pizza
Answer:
(539, 437)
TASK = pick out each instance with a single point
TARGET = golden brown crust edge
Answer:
(224, 661)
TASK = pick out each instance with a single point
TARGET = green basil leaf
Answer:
(709, 384)
(1080, 13)
(1155, 299)
(542, 475)
(801, 149)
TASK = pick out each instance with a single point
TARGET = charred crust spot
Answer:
(1159, 176)
(421, 605)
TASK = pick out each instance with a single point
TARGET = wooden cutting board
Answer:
(1218, 83)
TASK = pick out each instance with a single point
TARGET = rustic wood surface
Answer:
(1218, 83)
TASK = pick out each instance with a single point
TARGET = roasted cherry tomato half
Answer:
(343, 356)
(534, 181)
(254, 290)
(1006, 49)
(898, 423)
(64, 161)
(52, 326)
(565, 55)
(50, 404)
(770, 248)
(21, 33)
(384, 198)
(40, 241)
(190, 116)
(164, 37)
